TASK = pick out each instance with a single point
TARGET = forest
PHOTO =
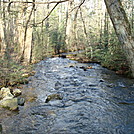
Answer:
(33, 30)
(66, 66)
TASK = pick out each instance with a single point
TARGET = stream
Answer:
(92, 101)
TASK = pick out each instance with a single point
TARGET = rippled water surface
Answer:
(94, 101)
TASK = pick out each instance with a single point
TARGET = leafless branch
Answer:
(57, 2)
(47, 14)
(78, 7)
(30, 2)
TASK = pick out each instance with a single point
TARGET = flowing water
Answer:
(94, 101)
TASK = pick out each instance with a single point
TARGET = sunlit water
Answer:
(95, 101)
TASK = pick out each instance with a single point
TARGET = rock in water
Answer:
(101, 80)
(21, 101)
(12, 104)
(62, 55)
(0, 129)
(17, 92)
(53, 97)
(57, 85)
(5, 93)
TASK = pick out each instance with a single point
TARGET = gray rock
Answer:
(16, 92)
(58, 85)
(53, 97)
(21, 101)
(11, 103)
(101, 80)
(110, 85)
(0, 129)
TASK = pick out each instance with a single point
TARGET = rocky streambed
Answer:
(67, 97)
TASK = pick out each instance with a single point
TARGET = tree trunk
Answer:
(28, 46)
(69, 26)
(87, 37)
(2, 41)
(132, 19)
(106, 30)
(74, 31)
(122, 29)
(25, 34)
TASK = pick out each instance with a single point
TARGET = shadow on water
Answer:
(92, 101)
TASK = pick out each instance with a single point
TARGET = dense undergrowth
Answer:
(112, 58)
(12, 73)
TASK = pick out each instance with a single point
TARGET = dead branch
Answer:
(78, 7)
(47, 14)
(57, 2)
(30, 2)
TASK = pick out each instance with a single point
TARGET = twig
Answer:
(47, 14)
(57, 2)
(28, 2)
(78, 6)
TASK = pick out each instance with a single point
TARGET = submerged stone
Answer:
(0, 129)
(53, 97)
(127, 102)
(21, 101)
(101, 80)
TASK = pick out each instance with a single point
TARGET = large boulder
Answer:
(5, 93)
(9, 100)
(11, 103)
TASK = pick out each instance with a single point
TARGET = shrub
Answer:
(11, 73)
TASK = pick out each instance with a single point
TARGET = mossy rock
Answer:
(11, 104)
